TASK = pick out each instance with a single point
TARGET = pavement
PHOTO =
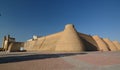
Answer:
(60, 61)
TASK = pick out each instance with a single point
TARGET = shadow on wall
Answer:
(89, 46)
(107, 46)
(34, 57)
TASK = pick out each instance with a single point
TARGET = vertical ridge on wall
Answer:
(117, 44)
(101, 44)
(110, 44)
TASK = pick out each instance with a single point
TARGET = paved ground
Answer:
(60, 61)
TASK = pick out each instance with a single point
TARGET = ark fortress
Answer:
(68, 40)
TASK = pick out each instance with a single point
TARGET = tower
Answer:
(69, 40)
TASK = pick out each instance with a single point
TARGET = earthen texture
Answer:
(117, 44)
(68, 40)
(110, 44)
(101, 44)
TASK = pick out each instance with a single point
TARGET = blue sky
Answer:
(24, 18)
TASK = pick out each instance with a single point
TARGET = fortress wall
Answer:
(117, 44)
(52, 35)
(89, 42)
(29, 45)
(110, 44)
(101, 44)
(15, 46)
(34, 44)
(50, 42)
(69, 41)
(43, 43)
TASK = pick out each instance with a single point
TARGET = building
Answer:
(68, 40)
